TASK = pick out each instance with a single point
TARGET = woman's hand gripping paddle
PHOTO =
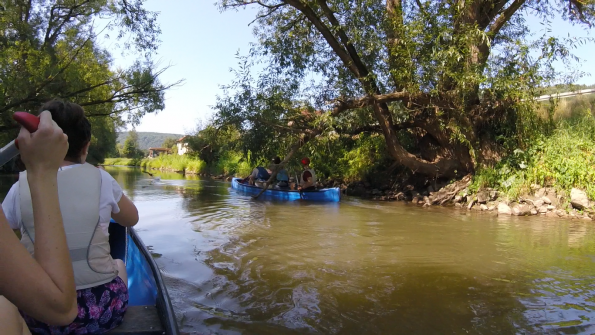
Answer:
(30, 122)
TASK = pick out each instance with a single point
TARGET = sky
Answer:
(200, 43)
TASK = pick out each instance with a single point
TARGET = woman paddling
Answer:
(89, 197)
(41, 286)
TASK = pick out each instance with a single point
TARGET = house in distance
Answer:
(154, 152)
(182, 146)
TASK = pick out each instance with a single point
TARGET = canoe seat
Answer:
(139, 320)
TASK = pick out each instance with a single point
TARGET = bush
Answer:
(243, 169)
(563, 160)
(196, 166)
(231, 163)
(122, 161)
(175, 163)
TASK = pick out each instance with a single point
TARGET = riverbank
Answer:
(170, 163)
(546, 201)
(185, 165)
(122, 161)
(555, 176)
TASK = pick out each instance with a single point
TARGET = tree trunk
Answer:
(446, 163)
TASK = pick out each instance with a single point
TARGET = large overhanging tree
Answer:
(445, 82)
(50, 49)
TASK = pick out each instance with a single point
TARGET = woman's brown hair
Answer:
(71, 118)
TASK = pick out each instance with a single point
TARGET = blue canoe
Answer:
(324, 195)
(149, 308)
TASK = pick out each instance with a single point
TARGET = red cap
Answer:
(305, 161)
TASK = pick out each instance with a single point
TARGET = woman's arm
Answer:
(43, 287)
(128, 214)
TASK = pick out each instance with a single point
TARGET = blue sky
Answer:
(201, 44)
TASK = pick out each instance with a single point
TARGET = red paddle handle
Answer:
(29, 121)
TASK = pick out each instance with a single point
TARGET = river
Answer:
(239, 266)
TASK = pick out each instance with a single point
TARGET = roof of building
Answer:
(159, 149)
(181, 139)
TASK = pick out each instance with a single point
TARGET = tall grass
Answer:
(568, 108)
(122, 161)
(563, 160)
(231, 163)
(175, 163)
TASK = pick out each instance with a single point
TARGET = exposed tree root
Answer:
(448, 192)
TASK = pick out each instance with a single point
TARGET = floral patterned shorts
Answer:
(101, 309)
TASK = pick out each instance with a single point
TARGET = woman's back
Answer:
(89, 198)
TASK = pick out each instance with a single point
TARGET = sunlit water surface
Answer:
(239, 266)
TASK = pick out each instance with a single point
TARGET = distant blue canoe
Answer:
(322, 195)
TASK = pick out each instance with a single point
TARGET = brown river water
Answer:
(239, 266)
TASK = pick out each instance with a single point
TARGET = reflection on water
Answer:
(234, 265)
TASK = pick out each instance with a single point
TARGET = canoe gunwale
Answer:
(322, 195)
(164, 307)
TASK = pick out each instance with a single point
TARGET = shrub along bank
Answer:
(175, 163)
(554, 176)
(228, 165)
(122, 161)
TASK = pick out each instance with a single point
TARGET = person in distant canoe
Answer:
(261, 174)
(282, 176)
(308, 179)
(89, 197)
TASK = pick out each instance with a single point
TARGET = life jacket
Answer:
(282, 175)
(313, 176)
(79, 189)
(263, 174)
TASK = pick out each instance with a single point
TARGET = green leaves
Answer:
(564, 160)
(467, 74)
(49, 49)
(131, 148)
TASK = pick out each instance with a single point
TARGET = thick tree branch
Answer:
(504, 17)
(50, 37)
(272, 10)
(362, 69)
(327, 34)
(33, 95)
(420, 100)
(86, 89)
(394, 34)
(376, 128)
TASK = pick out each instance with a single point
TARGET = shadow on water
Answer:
(238, 266)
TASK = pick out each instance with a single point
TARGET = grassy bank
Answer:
(176, 163)
(563, 160)
(122, 161)
(231, 163)
(228, 164)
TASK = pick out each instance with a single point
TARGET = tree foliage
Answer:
(49, 49)
(130, 148)
(169, 142)
(210, 144)
(447, 84)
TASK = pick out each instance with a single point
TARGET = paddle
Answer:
(297, 183)
(11, 150)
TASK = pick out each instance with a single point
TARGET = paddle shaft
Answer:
(11, 150)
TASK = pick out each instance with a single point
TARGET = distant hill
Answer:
(147, 140)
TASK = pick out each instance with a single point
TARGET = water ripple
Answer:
(238, 266)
